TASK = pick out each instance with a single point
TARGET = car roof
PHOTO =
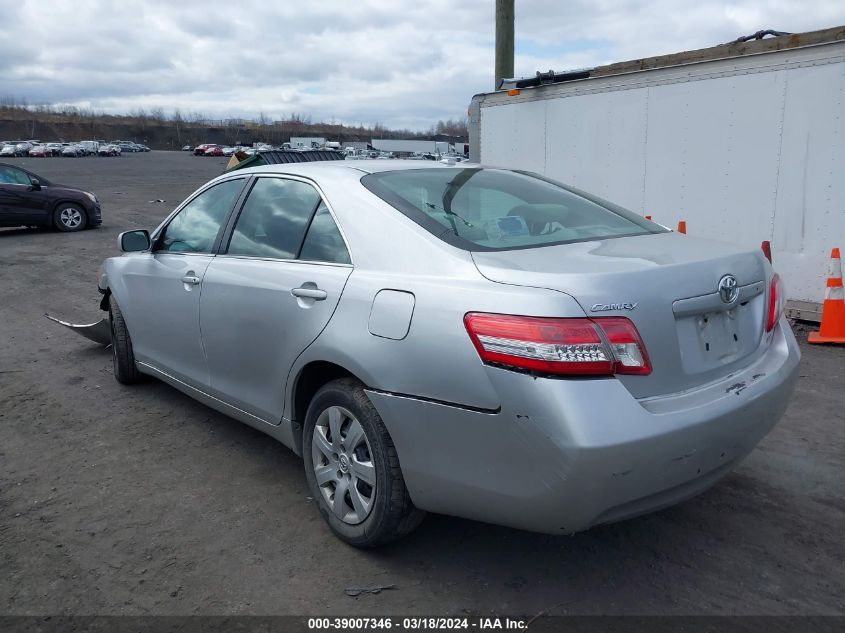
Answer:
(352, 168)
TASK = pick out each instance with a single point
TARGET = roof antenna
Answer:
(759, 35)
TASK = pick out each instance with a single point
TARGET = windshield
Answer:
(497, 209)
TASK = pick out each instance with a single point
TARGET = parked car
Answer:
(470, 341)
(228, 151)
(187, 148)
(126, 146)
(22, 149)
(40, 151)
(215, 150)
(142, 148)
(27, 199)
(8, 150)
(200, 150)
(73, 151)
(55, 149)
(109, 149)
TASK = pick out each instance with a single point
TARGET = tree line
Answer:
(191, 127)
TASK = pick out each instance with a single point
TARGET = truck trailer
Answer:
(745, 142)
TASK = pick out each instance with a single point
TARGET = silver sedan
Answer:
(472, 341)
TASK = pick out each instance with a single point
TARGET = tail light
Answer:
(776, 302)
(583, 347)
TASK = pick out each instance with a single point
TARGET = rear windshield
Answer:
(498, 209)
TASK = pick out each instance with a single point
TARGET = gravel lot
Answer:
(138, 500)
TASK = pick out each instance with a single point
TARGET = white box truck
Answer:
(91, 148)
(744, 141)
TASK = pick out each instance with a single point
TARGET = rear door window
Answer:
(496, 209)
(323, 242)
(287, 219)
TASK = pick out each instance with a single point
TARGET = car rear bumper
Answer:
(563, 455)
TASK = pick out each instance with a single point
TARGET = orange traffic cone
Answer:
(833, 311)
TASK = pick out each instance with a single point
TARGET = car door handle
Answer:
(191, 279)
(307, 292)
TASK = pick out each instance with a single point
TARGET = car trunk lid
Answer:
(668, 285)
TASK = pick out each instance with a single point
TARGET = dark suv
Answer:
(30, 200)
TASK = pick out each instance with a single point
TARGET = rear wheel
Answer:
(353, 469)
(123, 358)
(69, 217)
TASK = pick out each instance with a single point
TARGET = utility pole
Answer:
(504, 40)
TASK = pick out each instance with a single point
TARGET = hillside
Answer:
(161, 132)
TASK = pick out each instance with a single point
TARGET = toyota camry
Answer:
(478, 342)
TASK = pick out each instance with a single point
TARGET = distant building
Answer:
(362, 145)
(406, 146)
(306, 142)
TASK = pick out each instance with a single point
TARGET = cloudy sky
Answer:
(403, 63)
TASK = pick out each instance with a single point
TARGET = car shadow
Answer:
(13, 231)
(590, 572)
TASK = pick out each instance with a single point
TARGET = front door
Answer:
(271, 294)
(162, 288)
(20, 202)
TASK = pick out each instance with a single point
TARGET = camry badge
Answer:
(604, 307)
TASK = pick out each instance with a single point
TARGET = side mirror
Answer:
(133, 241)
(35, 184)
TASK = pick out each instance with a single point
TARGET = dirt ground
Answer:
(138, 500)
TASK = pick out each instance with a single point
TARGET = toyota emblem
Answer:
(728, 289)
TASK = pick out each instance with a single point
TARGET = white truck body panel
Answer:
(744, 149)
(409, 145)
(306, 142)
(92, 147)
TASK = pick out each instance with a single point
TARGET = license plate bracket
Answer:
(719, 334)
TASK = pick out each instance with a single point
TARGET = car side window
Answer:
(274, 219)
(323, 242)
(195, 228)
(12, 176)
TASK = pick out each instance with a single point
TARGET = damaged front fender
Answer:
(99, 332)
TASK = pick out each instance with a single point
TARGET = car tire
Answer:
(390, 514)
(123, 358)
(69, 217)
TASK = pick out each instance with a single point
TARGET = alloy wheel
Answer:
(343, 465)
(70, 217)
